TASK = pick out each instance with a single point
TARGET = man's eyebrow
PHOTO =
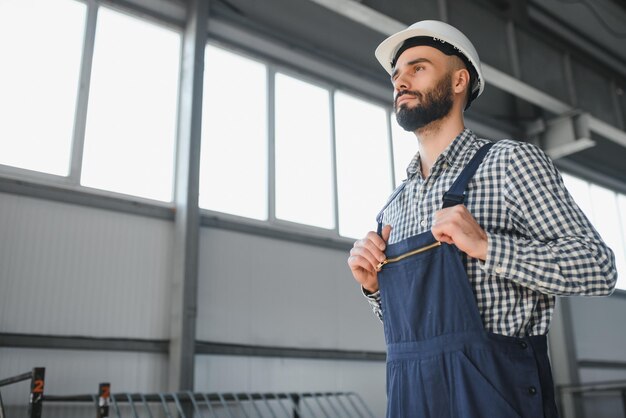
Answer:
(415, 61)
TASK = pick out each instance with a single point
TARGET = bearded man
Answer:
(471, 249)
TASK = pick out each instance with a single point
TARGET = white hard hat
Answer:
(440, 32)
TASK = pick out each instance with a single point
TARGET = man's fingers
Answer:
(356, 261)
(373, 257)
(376, 239)
(372, 246)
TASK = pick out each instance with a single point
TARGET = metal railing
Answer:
(196, 405)
(37, 378)
(611, 389)
(230, 405)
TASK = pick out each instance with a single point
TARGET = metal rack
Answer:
(197, 405)
(611, 389)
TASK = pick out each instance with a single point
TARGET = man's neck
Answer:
(434, 138)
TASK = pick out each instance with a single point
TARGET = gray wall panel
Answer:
(261, 291)
(71, 270)
(599, 328)
(230, 374)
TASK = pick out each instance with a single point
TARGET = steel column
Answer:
(187, 218)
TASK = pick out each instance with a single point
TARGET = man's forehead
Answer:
(420, 51)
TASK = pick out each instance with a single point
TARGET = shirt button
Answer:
(444, 165)
(532, 390)
(423, 223)
(499, 269)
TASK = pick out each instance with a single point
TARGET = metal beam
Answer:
(364, 15)
(508, 83)
(563, 356)
(539, 14)
(80, 118)
(206, 347)
(183, 302)
(58, 342)
(75, 195)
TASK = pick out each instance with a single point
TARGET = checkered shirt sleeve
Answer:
(540, 244)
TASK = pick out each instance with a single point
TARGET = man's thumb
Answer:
(386, 232)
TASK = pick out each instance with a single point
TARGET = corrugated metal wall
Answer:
(69, 270)
(255, 290)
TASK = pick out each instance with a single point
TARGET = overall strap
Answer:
(456, 194)
(379, 217)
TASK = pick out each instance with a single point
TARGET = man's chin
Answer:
(406, 106)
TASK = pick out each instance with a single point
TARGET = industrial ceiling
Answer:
(555, 69)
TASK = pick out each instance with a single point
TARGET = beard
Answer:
(433, 105)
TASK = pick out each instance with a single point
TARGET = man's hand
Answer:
(455, 225)
(365, 256)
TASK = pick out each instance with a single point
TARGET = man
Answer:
(476, 244)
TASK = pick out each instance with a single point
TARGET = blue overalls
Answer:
(441, 362)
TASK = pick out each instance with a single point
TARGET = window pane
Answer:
(131, 122)
(363, 164)
(40, 51)
(404, 149)
(607, 221)
(621, 270)
(233, 167)
(579, 189)
(304, 180)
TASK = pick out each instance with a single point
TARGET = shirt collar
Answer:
(452, 154)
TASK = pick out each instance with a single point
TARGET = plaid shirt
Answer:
(540, 244)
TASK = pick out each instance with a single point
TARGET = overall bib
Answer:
(441, 362)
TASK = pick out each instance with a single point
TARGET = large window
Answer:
(364, 177)
(607, 211)
(40, 54)
(314, 184)
(233, 160)
(131, 121)
(304, 169)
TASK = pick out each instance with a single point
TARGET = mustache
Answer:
(414, 93)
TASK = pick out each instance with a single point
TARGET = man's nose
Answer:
(400, 83)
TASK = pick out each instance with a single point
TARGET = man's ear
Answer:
(461, 80)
